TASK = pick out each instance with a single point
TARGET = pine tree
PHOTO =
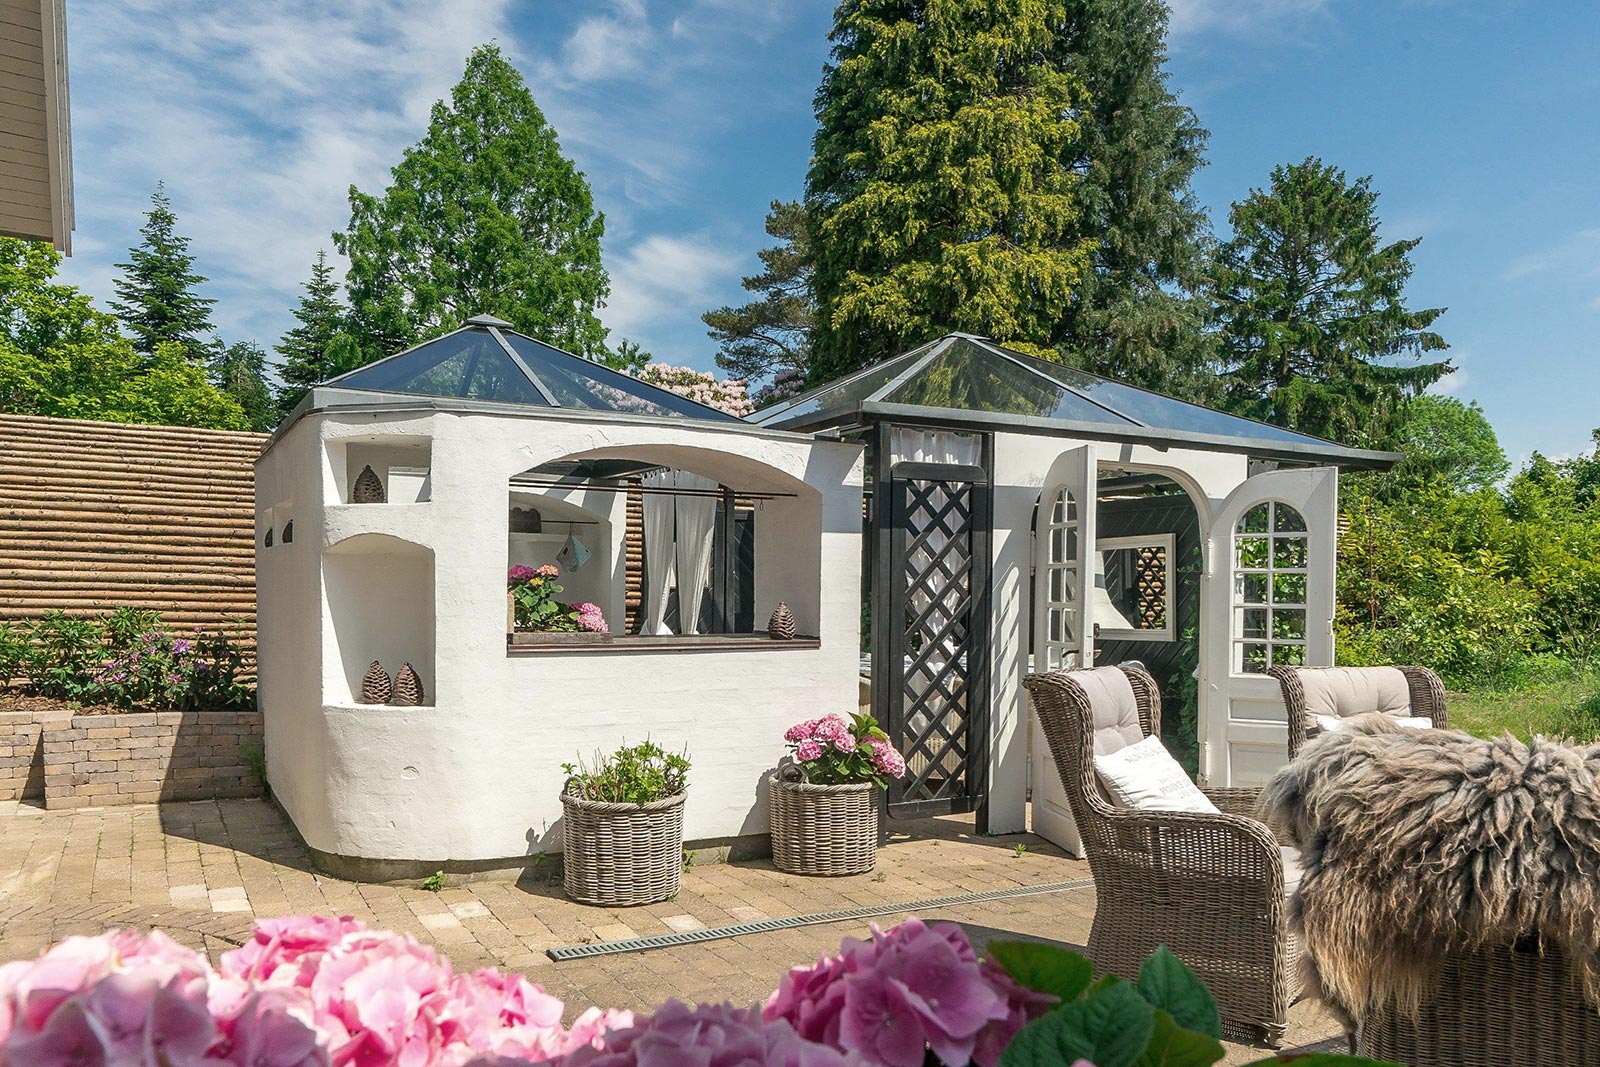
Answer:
(318, 347)
(157, 298)
(240, 371)
(484, 214)
(772, 333)
(1140, 314)
(1311, 309)
(938, 197)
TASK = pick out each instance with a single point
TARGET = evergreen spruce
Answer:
(773, 332)
(240, 371)
(484, 214)
(317, 347)
(1140, 314)
(938, 196)
(157, 298)
(1311, 309)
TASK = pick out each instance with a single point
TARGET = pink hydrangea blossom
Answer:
(885, 760)
(520, 573)
(807, 750)
(908, 990)
(710, 1036)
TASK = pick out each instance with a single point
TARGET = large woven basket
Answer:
(621, 854)
(823, 829)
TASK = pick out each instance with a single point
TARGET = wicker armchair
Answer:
(1209, 887)
(1346, 691)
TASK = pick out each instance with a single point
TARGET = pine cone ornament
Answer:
(376, 687)
(407, 687)
(781, 626)
(368, 488)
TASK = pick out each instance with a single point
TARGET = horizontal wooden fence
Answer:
(99, 515)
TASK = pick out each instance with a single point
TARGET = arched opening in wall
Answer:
(668, 542)
(1144, 597)
(380, 597)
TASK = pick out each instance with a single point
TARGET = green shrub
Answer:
(13, 653)
(66, 653)
(639, 774)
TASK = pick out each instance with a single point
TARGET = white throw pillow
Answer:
(1145, 777)
(1332, 723)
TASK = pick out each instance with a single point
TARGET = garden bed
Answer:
(71, 757)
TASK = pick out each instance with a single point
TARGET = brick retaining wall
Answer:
(79, 761)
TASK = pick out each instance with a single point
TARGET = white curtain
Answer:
(697, 518)
(658, 545)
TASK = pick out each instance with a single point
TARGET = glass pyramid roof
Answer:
(971, 383)
(485, 360)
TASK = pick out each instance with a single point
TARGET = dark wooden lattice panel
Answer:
(935, 578)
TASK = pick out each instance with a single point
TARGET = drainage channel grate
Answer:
(818, 918)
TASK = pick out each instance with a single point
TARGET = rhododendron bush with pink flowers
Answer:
(328, 992)
(833, 751)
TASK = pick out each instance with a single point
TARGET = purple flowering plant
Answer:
(835, 751)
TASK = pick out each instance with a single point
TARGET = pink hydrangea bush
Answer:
(303, 992)
(834, 751)
(711, 1035)
(533, 600)
(910, 989)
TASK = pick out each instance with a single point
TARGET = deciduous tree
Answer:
(938, 196)
(1312, 312)
(484, 214)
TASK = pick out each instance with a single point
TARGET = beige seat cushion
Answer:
(1340, 692)
(1114, 708)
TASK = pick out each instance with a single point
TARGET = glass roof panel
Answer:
(467, 364)
(1162, 412)
(579, 383)
(852, 390)
(968, 377)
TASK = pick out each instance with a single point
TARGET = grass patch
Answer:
(1559, 707)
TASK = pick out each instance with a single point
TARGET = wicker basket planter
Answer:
(621, 854)
(823, 829)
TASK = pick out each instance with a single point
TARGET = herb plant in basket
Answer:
(824, 799)
(622, 827)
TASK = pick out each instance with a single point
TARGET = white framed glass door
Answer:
(1267, 600)
(1063, 636)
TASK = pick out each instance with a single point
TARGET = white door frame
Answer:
(1076, 473)
(1243, 725)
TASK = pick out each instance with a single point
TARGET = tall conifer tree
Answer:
(1140, 314)
(317, 347)
(240, 371)
(157, 297)
(1312, 312)
(939, 197)
(773, 332)
(484, 214)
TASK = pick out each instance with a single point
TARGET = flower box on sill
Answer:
(558, 637)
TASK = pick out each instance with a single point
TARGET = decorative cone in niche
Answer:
(407, 686)
(376, 687)
(368, 488)
(781, 626)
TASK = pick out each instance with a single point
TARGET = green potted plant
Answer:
(824, 798)
(622, 826)
(539, 618)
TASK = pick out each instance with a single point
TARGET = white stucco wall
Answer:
(1020, 465)
(476, 776)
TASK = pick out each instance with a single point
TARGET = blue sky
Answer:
(1476, 120)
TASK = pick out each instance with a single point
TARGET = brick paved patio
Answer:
(203, 870)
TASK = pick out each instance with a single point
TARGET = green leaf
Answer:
(1173, 1046)
(1168, 984)
(1110, 1029)
(1045, 968)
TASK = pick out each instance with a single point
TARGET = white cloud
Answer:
(1577, 254)
(1238, 17)
(662, 274)
(609, 45)
(259, 117)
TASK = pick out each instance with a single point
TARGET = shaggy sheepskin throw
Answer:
(1416, 843)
